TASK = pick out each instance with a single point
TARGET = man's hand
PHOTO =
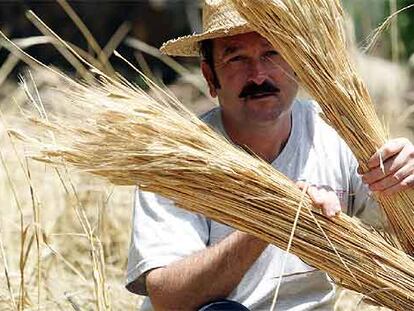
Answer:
(391, 167)
(325, 199)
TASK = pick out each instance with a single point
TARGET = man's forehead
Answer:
(228, 45)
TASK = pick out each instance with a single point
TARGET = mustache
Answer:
(253, 89)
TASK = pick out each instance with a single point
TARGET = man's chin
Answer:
(263, 115)
(264, 109)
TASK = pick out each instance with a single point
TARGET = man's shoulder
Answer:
(309, 114)
(316, 128)
(210, 115)
(307, 107)
(213, 119)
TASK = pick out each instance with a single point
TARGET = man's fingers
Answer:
(405, 184)
(395, 173)
(332, 206)
(302, 185)
(389, 149)
(391, 166)
(327, 201)
(378, 173)
(316, 195)
(312, 191)
(393, 179)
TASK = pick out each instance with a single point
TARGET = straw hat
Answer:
(220, 19)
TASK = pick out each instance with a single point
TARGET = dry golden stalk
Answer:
(310, 36)
(119, 132)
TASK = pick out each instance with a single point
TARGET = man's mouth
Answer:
(260, 95)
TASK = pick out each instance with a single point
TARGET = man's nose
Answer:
(258, 72)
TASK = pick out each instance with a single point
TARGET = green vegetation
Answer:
(369, 14)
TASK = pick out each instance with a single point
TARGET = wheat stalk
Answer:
(310, 36)
(118, 131)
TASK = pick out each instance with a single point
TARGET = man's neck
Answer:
(266, 141)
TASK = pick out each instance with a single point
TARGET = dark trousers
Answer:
(223, 305)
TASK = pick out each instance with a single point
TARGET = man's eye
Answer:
(271, 53)
(236, 59)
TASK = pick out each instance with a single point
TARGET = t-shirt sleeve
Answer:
(363, 204)
(161, 234)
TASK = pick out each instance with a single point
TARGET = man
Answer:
(184, 261)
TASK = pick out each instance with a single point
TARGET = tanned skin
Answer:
(205, 276)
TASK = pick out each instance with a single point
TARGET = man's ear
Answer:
(208, 75)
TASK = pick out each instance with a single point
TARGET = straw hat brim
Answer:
(189, 45)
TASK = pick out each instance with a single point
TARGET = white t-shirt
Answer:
(163, 233)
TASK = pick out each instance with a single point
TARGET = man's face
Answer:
(257, 86)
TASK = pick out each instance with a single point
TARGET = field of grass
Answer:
(63, 236)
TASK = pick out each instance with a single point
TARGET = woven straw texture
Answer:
(219, 20)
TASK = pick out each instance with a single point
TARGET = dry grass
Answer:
(117, 131)
(61, 222)
(311, 37)
(62, 286)
(64, 267)
(64, 237)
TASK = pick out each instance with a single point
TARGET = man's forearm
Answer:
(204, 276)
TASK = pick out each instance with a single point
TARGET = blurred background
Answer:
(64, 235)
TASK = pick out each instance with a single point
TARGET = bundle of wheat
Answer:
(310, 36)
(118, 131)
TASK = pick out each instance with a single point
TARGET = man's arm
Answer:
(205, 276)
(214, 272)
